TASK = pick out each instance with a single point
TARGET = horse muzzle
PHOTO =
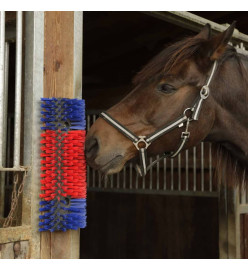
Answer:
(108, 163)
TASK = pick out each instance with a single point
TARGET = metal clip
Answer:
(186, 133)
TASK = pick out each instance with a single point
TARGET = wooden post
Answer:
(59, 82)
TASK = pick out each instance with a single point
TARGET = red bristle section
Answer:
(63, 165)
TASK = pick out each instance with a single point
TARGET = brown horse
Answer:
(165, 87)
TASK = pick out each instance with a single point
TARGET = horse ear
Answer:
(216, 46)
(205, 32)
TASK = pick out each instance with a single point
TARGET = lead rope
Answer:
(18, 185)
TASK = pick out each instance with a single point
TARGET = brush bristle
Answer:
(63, 114)
(63, 177)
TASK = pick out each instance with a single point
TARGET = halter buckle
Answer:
(142, 139)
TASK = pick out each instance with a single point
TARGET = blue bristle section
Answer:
(63, 215)
(58, 111)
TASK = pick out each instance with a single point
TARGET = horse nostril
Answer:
(91, 148)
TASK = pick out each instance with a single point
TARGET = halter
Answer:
(143, 142)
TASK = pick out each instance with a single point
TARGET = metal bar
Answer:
(165, 171)
(88, 122)
(124, 176)
(93, 178)
(131, 175)
(4, 135)
(78, 51)
(118, 180)
(150, 180)
(179, 172)
(105, 182)
(16, 169)
(8, 147)
(94, 118)
(88, 176)
(172, 174)
(202, 166)
(2, 76)
(243, 189)
(18, 90)
(193, 22)
(33, 91)
(210, 168)
(187, 169)
(111, 180)
(143, 182)
(157, 184)
(194, 168)
(137, 181)
(99, 179)
(5, 101)
(159, 192)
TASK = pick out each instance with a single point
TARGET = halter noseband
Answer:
(143, 142)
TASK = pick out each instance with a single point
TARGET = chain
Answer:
(17, 191)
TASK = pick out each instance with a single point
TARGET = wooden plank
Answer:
(59, 82)
(59, 54)
(12, 234)
(6, 251)
(45, 245)
(16, 250)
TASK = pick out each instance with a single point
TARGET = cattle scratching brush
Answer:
(63, 166)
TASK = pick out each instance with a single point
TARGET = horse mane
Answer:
(177, 52)
(227, 168)
(169, 57)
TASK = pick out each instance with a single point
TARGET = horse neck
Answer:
(230, 94)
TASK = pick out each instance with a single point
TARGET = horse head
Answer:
(163, 89)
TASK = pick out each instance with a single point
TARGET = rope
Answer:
(16, 193)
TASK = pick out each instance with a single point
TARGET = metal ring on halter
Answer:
(141, 140)
(204, 93)
(188, 116)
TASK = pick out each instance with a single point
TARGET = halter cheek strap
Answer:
(143, 142)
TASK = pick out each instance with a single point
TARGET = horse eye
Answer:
(166, 88)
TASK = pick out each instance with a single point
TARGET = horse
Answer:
(194, 90)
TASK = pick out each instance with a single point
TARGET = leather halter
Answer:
(143, 142)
